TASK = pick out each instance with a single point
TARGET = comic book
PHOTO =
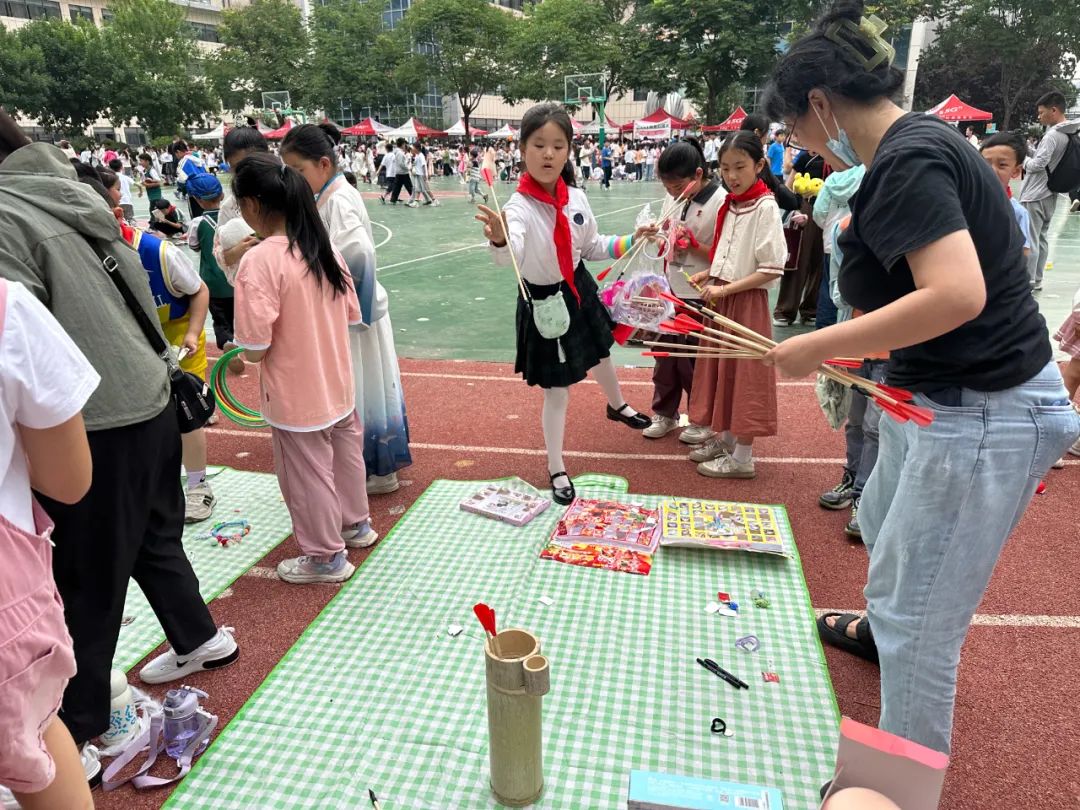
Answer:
(722, 525)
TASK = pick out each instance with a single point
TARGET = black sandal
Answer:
(562, 495)
(638, 421)
(862, 645)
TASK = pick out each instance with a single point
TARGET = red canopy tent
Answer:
(658, 116)
(953, 109)
(280, 132)
(733, 122)
(367, 128)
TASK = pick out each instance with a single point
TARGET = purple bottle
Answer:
(183, 720)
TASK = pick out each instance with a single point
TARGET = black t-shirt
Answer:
(925, 183)
(813, 165)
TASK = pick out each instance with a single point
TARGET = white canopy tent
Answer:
(216, 134)
(505, 131)
(413, 129)
(458, 129)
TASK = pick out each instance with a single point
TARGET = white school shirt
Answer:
(388, 164)
(531, 225)
(700, 220)
(125, 189)
(710, 150)
(752, 239)
(420, 165)
(44, 381)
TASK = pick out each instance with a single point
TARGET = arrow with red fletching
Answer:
(486, 615)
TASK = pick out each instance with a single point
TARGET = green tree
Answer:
(558, 38)
(354, 57)
(74, 84)
(458, 44)
(703, 48)
(154, 67)
(1001, 56)
(266, 50)
(23, 78)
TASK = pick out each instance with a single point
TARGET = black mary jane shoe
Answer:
(638, 421)
(562, 495)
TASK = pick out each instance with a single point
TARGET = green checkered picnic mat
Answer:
(254, 496)
(377, 694)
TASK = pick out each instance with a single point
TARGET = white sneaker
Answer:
(353, 538)
(1059, 464)
(383, 484)
(218, 652)
(696, 434)
(91, 761)
(661, 426)
(1075, 449)
(1075, 206)
(304, 570)
(712, 449)
(781, 322)
(727, 467)
(7, 799)
(198, 503)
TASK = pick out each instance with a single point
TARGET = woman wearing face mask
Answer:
(934, 257)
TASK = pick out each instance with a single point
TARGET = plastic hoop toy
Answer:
(233, 408)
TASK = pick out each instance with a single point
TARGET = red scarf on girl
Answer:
(564, 245)
(759, 189)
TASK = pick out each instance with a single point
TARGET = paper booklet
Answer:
(630, 526)
(514, 502)
(665, 791)
(722, 525)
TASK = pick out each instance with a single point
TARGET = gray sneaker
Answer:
(696, 434)
(712, 449)
(839, 497)
(305, 570)
(661, 426)
(198, 503)
(852, 529)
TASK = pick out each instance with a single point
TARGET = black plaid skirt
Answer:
(586, 342)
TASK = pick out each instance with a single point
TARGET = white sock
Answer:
(553, 419)
(195, 477)
(743, 453)
(728, 438)
(604, 373)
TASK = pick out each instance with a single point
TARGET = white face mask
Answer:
(840, 146)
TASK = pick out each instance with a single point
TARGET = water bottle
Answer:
(183, 719)
(123, 720)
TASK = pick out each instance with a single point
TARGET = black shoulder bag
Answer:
(191, 397)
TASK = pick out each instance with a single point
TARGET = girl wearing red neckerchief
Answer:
(737, 398)
(551, 229)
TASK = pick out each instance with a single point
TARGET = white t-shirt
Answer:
(710, 149)
(125, 189)
(44, 381)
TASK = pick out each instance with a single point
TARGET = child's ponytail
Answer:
(283, 191)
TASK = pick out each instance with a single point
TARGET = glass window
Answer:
(76, 13)
(42, 9)
(205, 32)
(16, 8)
(641, 95)
(107, 16)
(134, 136)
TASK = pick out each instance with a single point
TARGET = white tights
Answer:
(553, 415)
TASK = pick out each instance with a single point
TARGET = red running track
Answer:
(1015, 739)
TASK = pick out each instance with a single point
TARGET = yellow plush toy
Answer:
(807, 186)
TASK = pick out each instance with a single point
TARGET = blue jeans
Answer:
(826, 309)
(861, 431)
(935, 515)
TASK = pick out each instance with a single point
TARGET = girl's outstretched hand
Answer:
(494, 225)
(648, 231)
(797, 356)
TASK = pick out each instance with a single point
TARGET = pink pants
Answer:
(323, 480)
(36, 660)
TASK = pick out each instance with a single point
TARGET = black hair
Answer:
(400, 142)
(243, 139)
(682, 160)
(161, 204)
(816, 61)
(1014, 140)
(1054, 98)
(107, 177)
(181, 146)
(146, 156)
(283, 191)
(95, 184)
(539, 115)
(350, 178)
(85, 170)
(116, 164)
(312, 141)
(746, 141)
(755, 121)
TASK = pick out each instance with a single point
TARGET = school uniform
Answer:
(672, 376)
(530, 225)
(740, 395)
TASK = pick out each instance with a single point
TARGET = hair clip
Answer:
(845, 33)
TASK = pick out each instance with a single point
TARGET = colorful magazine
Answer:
(666, 791)
(630, 526)
(722, 525)
(506, 503)
(594, 555)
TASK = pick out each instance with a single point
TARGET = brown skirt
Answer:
(737, 395)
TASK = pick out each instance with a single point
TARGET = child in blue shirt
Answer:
(1006, 152)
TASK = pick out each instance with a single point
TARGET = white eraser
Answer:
(455, 630)
(547, 600)
(712, 607)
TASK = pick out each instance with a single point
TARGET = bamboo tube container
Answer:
(517, 678)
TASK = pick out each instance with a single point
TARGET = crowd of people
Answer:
(909, 255)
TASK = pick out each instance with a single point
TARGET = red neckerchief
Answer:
(1008, 192)
(759, 189)
(564, 245)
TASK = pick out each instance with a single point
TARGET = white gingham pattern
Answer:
(377, 695)
(254, 496)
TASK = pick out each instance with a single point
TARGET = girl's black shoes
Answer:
(638, 421)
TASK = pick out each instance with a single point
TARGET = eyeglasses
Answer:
(789, 139)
